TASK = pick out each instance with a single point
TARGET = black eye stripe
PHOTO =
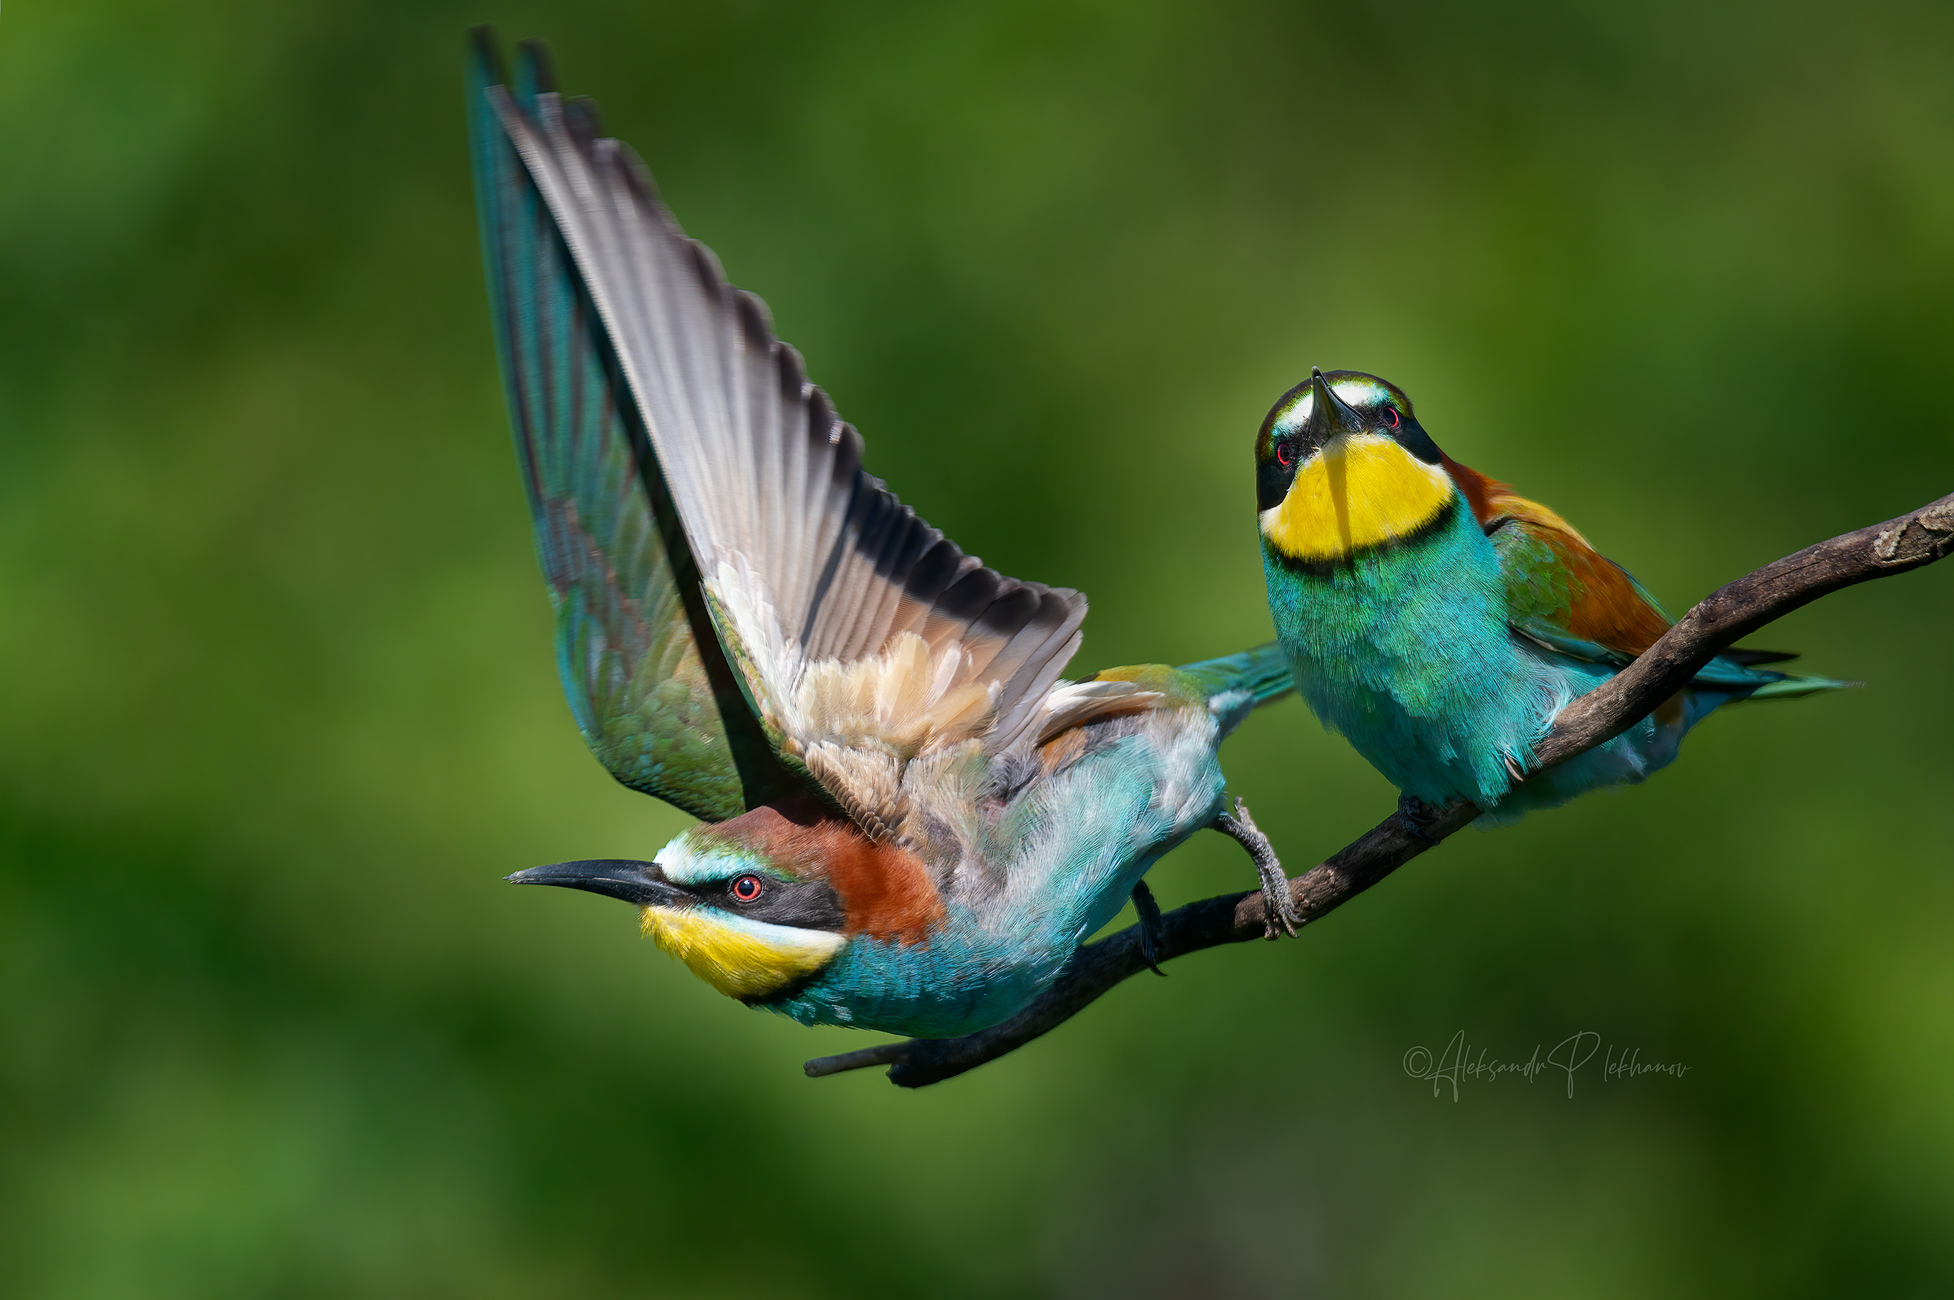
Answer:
(805, 904)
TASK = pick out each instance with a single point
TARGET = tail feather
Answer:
(1785, 687)
(1752, 658)
(1237, 684)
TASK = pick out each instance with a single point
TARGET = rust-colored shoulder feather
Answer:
(1555, 581)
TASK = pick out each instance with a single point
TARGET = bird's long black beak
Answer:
(1328, 413)
(641, 883)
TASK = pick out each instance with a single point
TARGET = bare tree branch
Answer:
(1735, 611)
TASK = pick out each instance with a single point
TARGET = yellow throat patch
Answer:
(1361, 490)
(740, 958)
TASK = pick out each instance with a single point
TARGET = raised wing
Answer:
(628, 649)
(863, 635)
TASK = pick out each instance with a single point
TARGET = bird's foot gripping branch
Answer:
(1911, 541)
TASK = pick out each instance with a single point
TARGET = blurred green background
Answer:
(278, 701)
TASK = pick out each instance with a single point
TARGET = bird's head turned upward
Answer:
(1343, 466)
(758, 906)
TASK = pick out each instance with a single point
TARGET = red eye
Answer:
(1391, 414)
(746, 888)
(1282, 455)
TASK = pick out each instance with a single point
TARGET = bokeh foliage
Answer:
(278, 704)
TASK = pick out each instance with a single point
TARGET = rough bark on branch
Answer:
(1719, 621)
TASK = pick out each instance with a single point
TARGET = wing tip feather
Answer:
(584, 120)
(486, 52)
(756, 322)
(706, 268)
(535, 68)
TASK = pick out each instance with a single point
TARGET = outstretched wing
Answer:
(862, 635)
(627, 650)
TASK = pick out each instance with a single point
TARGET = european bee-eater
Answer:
(1440, 621)
(908, 822)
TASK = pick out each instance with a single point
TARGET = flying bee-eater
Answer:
(1439, 621)
(907, 820)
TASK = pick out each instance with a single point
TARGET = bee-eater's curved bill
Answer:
(641, 883)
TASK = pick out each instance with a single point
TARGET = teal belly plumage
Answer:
(1404, 650)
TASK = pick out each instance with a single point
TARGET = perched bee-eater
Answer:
(1440, 621)
(908, 822)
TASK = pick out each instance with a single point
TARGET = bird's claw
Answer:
(1414, 814)
(1278, 902)
(1151, 937)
